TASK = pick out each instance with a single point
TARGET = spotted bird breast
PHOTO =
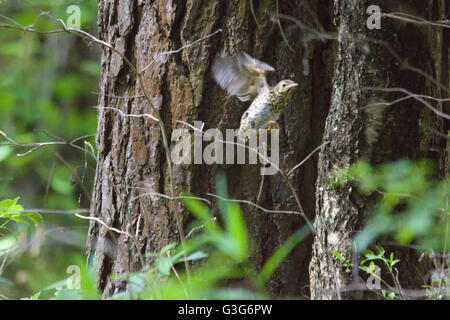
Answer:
(260, 112)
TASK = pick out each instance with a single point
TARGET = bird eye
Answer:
(284, 85)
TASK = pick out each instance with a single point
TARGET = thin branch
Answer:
(182, 48)
(253, 204)
(412, 95)
(415, 19)
(104, 224)
(37, 145)
(283, 35)
(168, 197)
(307, 157)
(195, 229)
(131, 115)
(118, 97)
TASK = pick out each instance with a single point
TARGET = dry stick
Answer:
(37, 145)
(307, 157)
(104, 224)
(182, 48)
(194, 229)
(168, 197)
(283, 35)
(209, 202)
(261, 184)
(129, 221)
(117, 97)
(186, 292)
(415, 19)
(253, 204)
(131, 115)
(415, 96)
(330, 36)
(53, 211)
(75, 175)
(252, 10)
(387, 104)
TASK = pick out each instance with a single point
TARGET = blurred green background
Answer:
(46, 94)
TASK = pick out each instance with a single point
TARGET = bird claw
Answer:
(272, 125)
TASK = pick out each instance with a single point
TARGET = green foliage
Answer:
(10, 210)
(45, 95)
(281, 253)
(217, 253)
(411, 205)
(370, 267)
(379, 256)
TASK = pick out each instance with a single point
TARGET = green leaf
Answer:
(370, 255)
(5, 152)
(281, 253)
(164, 265)
(33, 297)
(197, 208)
(35, 217)
(337, 255)
(235, 241)
(193, 256)
(167, 248)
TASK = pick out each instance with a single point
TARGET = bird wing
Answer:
(244, 76)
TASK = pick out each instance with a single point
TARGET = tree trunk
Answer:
(132, 165)
(133, 170)
(355, 132)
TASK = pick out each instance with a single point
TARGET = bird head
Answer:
(285, 86)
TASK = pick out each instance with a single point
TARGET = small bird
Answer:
(246, 78)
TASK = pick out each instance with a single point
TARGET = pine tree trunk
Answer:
(354, 131)
(328, 106)
(132, 165)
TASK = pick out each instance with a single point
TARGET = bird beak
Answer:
(294, 85)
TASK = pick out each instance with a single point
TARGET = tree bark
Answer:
(132, 160)
(355, 131)
(328, 106)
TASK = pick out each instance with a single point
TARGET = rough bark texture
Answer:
(131, 156)
(354, 132)
(329, 103)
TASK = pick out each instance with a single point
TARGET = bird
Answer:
(246, 78)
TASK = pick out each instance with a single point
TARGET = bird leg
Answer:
(271, 125)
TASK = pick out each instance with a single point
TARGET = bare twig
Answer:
(418, 97)
(104, 224)
(182, 48)
(132, 115)
(307, 157)
(253, 204)
(37, 145)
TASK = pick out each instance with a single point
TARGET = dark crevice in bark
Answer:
(107, 263)
(445, 56)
